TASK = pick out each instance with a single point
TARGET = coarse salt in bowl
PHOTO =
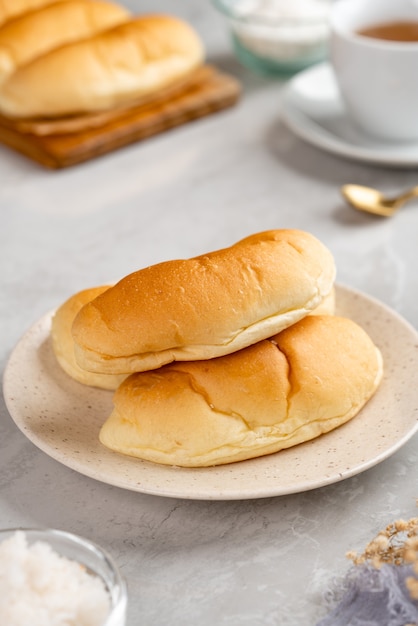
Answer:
(50, 577)
(278, 36)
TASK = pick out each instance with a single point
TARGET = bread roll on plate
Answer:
(309, 379)
(112, 69)
(34, 33)
(204, 307)
(63, 344)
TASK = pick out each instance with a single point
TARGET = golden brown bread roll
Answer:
(10, 9)
(111, 69)
(36, 32)
(63, 344)
(204, 307)
(305, 381)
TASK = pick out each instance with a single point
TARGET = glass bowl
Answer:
(278, 36)
(91, 557)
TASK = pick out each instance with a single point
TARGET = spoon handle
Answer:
(411, 193)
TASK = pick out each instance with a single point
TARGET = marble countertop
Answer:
(196, 188)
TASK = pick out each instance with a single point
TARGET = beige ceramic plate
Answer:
(63, 418)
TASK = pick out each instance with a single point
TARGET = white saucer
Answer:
(313, 110)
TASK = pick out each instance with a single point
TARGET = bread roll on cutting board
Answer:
(112, 69)
(63, 344)
(34, 33)
(204, 307)
(307, 380)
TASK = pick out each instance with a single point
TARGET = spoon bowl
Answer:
(373, 201)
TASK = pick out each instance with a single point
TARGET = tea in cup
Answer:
(374, 55)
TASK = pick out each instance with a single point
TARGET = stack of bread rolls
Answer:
(78, 57)
(223, 357)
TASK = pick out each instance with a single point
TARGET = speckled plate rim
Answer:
(62, 418)
(313, 110)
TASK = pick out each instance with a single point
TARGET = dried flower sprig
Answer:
(397, 544)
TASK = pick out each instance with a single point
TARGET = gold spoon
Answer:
(373, 201)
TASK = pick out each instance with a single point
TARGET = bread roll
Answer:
(305, 381)
(36, 32)
(119, 66)
(204, 307)
(10, 9)
(63, 344)
(327, 306)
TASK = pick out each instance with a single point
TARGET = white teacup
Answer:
(377, 78)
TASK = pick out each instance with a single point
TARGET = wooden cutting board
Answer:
(211, 91)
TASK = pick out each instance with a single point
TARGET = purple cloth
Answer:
(372, 597)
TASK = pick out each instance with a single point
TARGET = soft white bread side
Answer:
(204, 307)
(10, 9)
(108, 70)
(34, 33)
(305, 381)
(63, 344)
(327, 306)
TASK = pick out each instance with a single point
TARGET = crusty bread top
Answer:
(204, 307)
(107, 70)
(305, 381)
(34, 33)
(9, 9)
(63, 343)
